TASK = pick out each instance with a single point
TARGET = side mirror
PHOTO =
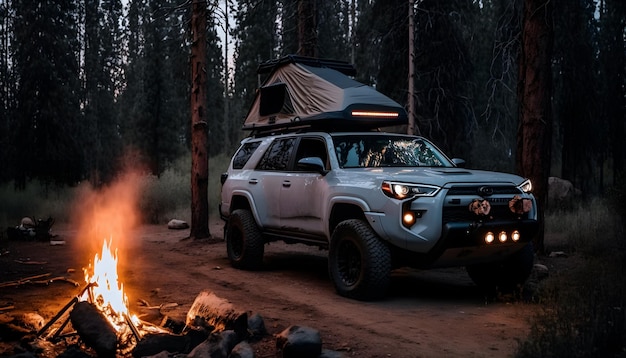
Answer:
(312, 164)
(460, 163)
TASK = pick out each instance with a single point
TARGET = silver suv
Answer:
(376, 201)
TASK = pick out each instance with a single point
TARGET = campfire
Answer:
(100, 314)
(109, 212)
(105, 291)
(108, 310)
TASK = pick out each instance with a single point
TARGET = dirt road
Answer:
(427, 314)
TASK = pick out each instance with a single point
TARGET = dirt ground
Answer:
(438, 313)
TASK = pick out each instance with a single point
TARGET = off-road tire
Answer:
(504, 276)
(359, 262)
(244, 243)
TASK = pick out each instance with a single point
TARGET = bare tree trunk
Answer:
(534, 91)
(199, 128)
(307, 28)
(226, 74)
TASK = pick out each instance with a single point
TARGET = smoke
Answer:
(109, 213)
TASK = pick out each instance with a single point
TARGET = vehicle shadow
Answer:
(445, 284)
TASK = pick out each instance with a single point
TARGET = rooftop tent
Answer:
(307, 91)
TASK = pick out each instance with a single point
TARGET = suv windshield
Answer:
(366, 151)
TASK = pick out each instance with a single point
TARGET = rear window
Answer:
(277, 156)
(244, 153)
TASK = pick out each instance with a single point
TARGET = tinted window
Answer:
(312, 147)
(244, 153)
(387, 151)
(277, 156)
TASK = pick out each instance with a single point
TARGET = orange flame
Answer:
(106, 292)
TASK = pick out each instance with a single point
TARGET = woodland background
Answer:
(84, 81)
(90, 86)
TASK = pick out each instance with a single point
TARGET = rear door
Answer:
(302, 195)
(269, 180)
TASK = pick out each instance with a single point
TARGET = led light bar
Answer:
(375, 114)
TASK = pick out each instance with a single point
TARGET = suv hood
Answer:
(445, 176)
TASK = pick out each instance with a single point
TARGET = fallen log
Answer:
(23, 281)
(216, 315)
(94, 329)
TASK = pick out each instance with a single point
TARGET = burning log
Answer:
(94, 329)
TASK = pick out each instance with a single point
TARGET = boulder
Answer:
(299, 342)
(176, 224)
(561, 191)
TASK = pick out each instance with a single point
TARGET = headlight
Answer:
(398, 190)
(526, 186)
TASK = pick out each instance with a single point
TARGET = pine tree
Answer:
(443, 73)
(613, 82)
(7, 92)
(575, 94)
(256, 41)
(102, 81)
(46, 65)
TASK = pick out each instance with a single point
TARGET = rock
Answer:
(256, 327)
(540, 271)
(154, 343)
(327, 353)
(561, 191)
(299, 342)
(557, 254)
(216, 346)
(31, 321)
(176, 224)
(242, 350)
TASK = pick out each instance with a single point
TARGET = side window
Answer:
(277, 156)
(244, 153)
(312, 147)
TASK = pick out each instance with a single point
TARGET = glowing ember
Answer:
(106, 293)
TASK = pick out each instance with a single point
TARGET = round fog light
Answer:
(489, 237)
(408, 218)
(502, 236)
(515, 236)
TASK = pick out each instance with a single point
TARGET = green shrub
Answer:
(583, 313)
(36, 200)
(169, 196)
(592, 227)
(161, 199)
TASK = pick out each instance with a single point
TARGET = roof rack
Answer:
(342, 66)
(327, 127)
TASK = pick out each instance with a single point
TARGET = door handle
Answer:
(286, 184)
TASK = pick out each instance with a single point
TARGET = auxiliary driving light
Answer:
(515, 236)
(502, 237)
(408, 219)
(489, 237)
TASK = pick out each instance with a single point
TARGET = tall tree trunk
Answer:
(412, 128)
(534, 91)
(307, 28)
(199, 128)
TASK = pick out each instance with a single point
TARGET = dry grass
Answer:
(584, 308)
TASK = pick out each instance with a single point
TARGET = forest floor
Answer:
(437, 313)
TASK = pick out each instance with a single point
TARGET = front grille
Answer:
(475, 190)
(499, 205)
